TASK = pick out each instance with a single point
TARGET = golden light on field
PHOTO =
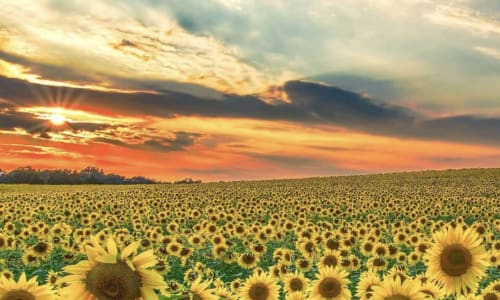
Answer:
(417, 236)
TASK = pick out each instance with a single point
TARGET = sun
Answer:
(57, 118)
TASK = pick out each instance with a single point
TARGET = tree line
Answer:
(89, 175)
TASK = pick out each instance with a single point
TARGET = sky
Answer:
(255, 89)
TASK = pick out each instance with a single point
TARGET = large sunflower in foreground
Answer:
(457, 260)
(110, 275)
(330, 284)
(24, 289)
(259, 287)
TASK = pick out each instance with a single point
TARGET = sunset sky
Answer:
(249, 89)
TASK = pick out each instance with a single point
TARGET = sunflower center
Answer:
(114, 282)
(248, 258)
(258, 291)
(18, 295)
(40, 247)
(196, 297)
(490, 296)
(329, 288)
(330, 261)
(397, 297)
(296, 284)
(379, 262)
(304, 264)
(455, 260)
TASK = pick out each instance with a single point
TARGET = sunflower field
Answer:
(405, 236)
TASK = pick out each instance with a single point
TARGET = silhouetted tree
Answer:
(89, 175)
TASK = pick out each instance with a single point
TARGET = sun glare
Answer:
(57, 118)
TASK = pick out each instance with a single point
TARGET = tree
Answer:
(89, 175)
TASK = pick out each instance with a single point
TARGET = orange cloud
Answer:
(232, 149)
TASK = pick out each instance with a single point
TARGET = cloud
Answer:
(310, 103)
(494, 53)
(49, 71)
(289, 160)
(461, 128)
(146, 42)
(130, 135)
(179, 142)
(333, 104)
(465, 18)
(12, 119)
(242, 47)
(39, 151)
(372, 87)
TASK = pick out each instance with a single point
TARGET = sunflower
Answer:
(330, 284)
(174, 248)
(52, 277)
(199, 291)
(377, 263)
(30, 259)
(296, 282)
(396, 290)
(397, 272)
(457, 260)
(7, 274)
(41, 249)
(190, 276)
(3, 242)
(303, 265)
(235, 285)
(367, 248)
(367, 282)
(259, 287)
(494, 286)
(110, 275)
(248, 260)
(380, 249)
(331, 258)
(196, 241)
(24, 289)
(489, 295)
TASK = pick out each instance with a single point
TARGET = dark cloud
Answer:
(461, 128)
(286, 159)
(311, 103)
(11, 119)
(180, 141)
(44, 135)
(332, 104)
(378, 88)
(210, 171)
(126, 43)
(66, 74)
(51, 72)
(166, 104)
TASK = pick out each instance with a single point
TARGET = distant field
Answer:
(320, 238)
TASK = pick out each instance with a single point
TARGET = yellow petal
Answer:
(111, 245)
(129, 250)
(148, 294)
(145, 259)
(106, 259)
